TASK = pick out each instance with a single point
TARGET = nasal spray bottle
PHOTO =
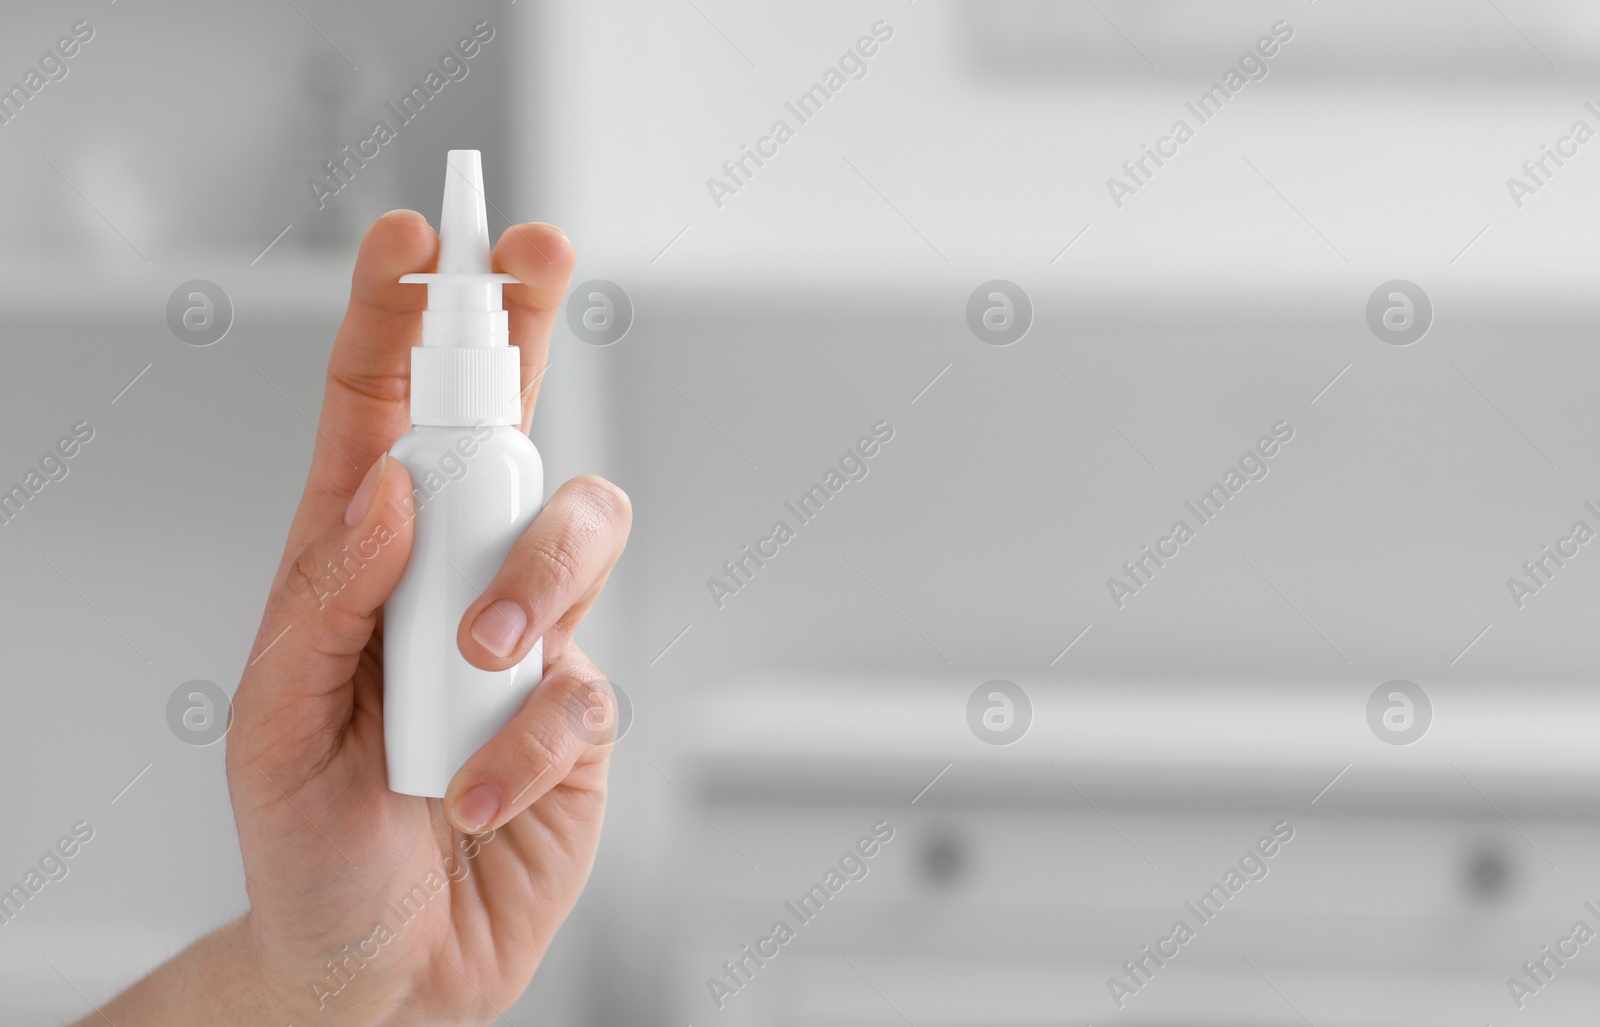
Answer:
(477, 483)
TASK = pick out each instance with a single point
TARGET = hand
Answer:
(369, 907)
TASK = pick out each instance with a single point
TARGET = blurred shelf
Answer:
(285, 284)
(1189, 744)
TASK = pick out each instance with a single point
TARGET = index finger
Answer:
(365, 402)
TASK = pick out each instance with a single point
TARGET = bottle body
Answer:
(475, 490)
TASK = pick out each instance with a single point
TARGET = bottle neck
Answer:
(466, 329)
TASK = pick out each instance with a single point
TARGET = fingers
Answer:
(365, 406)
(322, 611)
(570, 719)
(553, 575)
(540, 257)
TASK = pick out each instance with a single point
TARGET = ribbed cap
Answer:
(477, 385)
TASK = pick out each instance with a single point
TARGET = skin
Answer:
(326, 846)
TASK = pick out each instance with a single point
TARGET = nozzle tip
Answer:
(463, 223)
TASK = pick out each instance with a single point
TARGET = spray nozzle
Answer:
(465, 371)
(464, 303)
(463, 225)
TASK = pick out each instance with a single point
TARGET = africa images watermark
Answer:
(738, 972)
(1540, 571)
(52, 866)
(339, 171)
(452, 466)
(395, 916)
(1253, 466)
(1252, 67)
(52, 67)
(598, 714)
(853, 466)
(1138, 972)
(1565, 146)
(53, 466)
(1537, 973)
(852, 67)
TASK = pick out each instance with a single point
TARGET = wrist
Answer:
(301, 988)
(217, 979)
(271, 985)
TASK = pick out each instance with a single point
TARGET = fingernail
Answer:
(500, 626)
(475, 809)
(398, 210)
(361, 502)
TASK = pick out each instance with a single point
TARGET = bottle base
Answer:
(421, 789)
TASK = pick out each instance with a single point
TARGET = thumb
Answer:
(321, 615)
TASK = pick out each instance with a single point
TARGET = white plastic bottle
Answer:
(477, 483)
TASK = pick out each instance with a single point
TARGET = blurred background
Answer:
(1445, 831)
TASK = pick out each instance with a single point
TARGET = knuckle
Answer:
(556, 557)
(313, 584)
(388, 388)
(536, 750)
(592, 711)
(303, 581)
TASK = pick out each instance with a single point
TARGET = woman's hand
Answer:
(369, 907)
